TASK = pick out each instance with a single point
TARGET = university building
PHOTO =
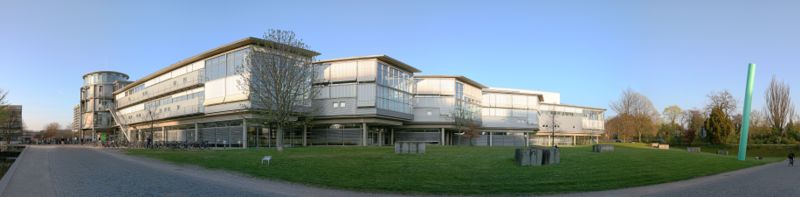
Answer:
(371, 100)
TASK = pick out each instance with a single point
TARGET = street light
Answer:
(552, 127)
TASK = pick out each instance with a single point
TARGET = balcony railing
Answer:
(190, 79)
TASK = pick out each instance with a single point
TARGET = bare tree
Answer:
(634, 103)
(723, 100)
(464, 120)
(779, 109)
(635, 114)
(9, 118)
(278, 76)
(51, 130)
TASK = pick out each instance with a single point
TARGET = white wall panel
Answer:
(232, 90)
(519, 101)
(448, 86)
(215, 91)
(367, 70)
(344, 71)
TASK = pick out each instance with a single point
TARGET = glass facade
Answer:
(228, 64)
(394, 89)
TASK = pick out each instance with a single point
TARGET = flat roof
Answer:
(578, 106)
(514, 91)
(459, 77)
(380, 57)
(209, 53)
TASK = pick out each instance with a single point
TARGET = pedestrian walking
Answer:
(791, 158)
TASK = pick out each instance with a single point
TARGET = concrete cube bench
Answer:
(693, 149)
(722, 152)
(599, 148)
(654, 145)
(410, 147)
(663, 146)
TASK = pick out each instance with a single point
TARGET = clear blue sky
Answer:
(675, 52)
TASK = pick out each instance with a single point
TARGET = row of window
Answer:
(100, 78)
(228, 64)
(395, 78)
(393, 100)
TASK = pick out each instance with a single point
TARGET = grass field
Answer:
(462, 170)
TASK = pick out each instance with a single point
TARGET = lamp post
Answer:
(552, 127)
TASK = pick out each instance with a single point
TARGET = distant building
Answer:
(11, 125)
(97, 101)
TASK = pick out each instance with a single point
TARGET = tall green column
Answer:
(748, 98)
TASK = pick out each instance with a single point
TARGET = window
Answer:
(342, 104)
(335, 104)
(429, 113)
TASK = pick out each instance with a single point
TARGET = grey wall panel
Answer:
(395, 114)
(366, 95)
(326, 107)
(343, 90)
(417, 136)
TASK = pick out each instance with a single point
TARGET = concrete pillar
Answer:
(442, 139)
(305, 135)
(196, 131)
(490, 139)
(164, 131)
(391, 138)
(244, 133)
(527, 139)
(363, 134)
(380, 137)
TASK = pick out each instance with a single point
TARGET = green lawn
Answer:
(462, 170)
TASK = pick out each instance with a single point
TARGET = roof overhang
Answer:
(457, 77)
(210, 53)
(384, 58)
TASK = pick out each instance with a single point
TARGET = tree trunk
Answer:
(279, 139)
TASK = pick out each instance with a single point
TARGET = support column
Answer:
(490, 139)
(164, 132)
(196, 131)
(244, 133)
(305, 135)
(574, 140)
(380, 137)
(363, 134)
(441, 140)
(527, 139)
(391, 139)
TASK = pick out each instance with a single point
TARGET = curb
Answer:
(11, 171)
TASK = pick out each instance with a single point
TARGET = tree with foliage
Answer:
(670, 128)
(278, 74)
(672, 113)
(694, 120)
(718, 126)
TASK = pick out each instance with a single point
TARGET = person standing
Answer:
(791, 158)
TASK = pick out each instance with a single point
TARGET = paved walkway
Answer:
(84, 171)
(775, 179)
